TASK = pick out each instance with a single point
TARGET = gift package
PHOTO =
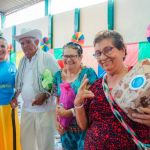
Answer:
(133, 91)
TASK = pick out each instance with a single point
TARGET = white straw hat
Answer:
(32, 33)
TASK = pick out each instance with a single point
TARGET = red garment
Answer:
(105, 132)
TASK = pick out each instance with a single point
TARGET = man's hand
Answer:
(143, 118)
(14, 102)
(39, 99)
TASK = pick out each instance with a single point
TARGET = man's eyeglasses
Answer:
(69, 56)
(106, 51)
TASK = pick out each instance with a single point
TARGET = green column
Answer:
(47, 7)
(110, 14)
(50, 30)
(13, 34)
(77, 20)
(13, 54)
(50, 21)
(3, 18)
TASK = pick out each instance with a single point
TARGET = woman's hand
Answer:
(59, 127)
(14, 103)
(83, 92)
(61, 111)
(143, 118)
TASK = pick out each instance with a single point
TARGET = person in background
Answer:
(8, 117)
(102, 118)
(70, 77)
(37, 116)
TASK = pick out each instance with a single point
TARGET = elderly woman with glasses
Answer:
(108, 127)
(66, 82)
(9, 123)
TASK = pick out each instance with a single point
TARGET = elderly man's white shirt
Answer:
(28, 94)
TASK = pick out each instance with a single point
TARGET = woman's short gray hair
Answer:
(116, 38)
(75, 46)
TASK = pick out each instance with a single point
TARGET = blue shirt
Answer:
(91, 75)
(7, 82)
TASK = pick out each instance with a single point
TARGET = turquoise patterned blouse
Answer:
(91, 75)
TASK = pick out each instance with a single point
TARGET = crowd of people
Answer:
(85, 113)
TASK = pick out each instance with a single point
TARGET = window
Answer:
(38, 10)
(59, 6)
(27, 14)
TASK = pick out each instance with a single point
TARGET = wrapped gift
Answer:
(133, 91)
(67, 101)
(47, 80)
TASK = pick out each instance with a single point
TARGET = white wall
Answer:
(132, 18)
(7, 33)
(41, 24)
(93, 19)
(63, 28)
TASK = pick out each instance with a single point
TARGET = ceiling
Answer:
(10, 6)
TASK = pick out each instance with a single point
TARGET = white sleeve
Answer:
(52, 64)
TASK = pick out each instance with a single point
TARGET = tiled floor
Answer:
(57, 142)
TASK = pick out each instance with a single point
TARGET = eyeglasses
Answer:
(2, 46)
(69, 56)
(106, 51)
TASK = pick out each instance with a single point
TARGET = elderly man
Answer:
(37, 118)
